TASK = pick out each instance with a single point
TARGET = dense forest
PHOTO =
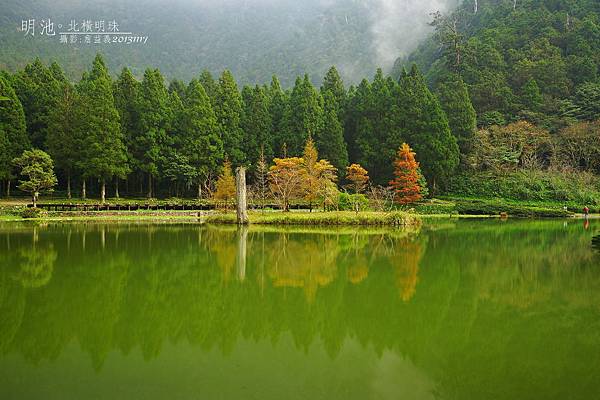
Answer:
(508, 107)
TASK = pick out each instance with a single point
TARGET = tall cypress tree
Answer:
(104, 153)
(376, 131)
(153, 102)
(202, 144)
(304, 116)
(210, 86)
(278, 103)
(13, 134)
(39, 91)
(126, 91)
(425, 127)
(256, 123)
(456, 103)
(64, 140)
(228, 109)
(330, 142)
(333, 82)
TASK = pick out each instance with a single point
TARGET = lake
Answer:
(460, 309)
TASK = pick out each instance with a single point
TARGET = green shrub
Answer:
(33, 212)
(349, 202)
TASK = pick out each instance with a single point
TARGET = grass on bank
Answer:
(395, 218)
(444, 207)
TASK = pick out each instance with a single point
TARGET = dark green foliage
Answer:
(333, 83)
(425, 128)
(330, 142)
(13, 135)
(521, 62)
(456, 103)
(585, 105)
(256, 124)
(304, 117)
(278, 104)
(103, 149)
(126, 91)
(178, 86)
(38, 90)
(201, 143)
(65, 140)
(228, 110)
(210, 86)
(372, 127)
(155, 117)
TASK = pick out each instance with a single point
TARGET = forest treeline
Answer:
(164, 140)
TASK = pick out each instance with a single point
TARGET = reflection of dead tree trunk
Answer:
(241, 252)
(240, 186)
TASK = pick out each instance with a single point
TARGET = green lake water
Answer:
(457, 310)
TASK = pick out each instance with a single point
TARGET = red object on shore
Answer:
(586, 210)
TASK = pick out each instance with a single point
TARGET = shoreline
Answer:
(299, 218)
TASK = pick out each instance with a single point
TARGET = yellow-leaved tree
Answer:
(225, 186)
(319, 183)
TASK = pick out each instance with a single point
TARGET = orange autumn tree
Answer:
(358, 178)
(406, 171)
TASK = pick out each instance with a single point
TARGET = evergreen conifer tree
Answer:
(201, 143)
(228, 110)
(13, 133)
(103, 149)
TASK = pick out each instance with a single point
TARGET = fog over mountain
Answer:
(252, 38)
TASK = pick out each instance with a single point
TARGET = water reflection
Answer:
(431, 304)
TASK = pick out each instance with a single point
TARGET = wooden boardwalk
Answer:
(85, 207)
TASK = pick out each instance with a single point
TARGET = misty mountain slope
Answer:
(536, 60)
(252, 38)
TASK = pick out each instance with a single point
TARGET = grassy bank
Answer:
(461, 206)
(396, 218)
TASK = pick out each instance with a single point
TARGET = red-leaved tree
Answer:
(406, 182)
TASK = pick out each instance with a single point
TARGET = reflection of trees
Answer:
(483, 298)
(406, 263)
(35, 265)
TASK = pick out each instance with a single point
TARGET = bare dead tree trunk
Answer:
(514, 4)
(69, 184)
(117, 187)
(83, 195)
(8, 189)
(199, 190)
(103, 190)
(476, 7)
(240, 186)
(149, 185)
